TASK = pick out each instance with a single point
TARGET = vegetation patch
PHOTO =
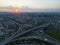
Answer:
(55, 33)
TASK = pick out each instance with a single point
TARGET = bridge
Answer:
(19, 33)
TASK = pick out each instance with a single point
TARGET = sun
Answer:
(16, 10)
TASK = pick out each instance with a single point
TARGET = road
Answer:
(41, 36)
(19, 33)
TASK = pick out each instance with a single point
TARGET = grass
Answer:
(53, 32)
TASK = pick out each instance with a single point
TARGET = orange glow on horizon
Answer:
(16, 10)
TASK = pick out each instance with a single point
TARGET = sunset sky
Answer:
(35, 4)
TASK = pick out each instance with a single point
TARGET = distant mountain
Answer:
(40, 10)
(9, 7)
(25, 8)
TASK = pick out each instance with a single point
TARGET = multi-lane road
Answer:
(19, 33)
(37, 35)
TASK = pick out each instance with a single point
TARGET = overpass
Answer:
(19, 33)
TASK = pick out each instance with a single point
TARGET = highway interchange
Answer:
(35, 34)
(29, 27)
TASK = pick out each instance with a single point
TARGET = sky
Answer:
(35, 4)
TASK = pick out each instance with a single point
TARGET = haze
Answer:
(33, 4)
